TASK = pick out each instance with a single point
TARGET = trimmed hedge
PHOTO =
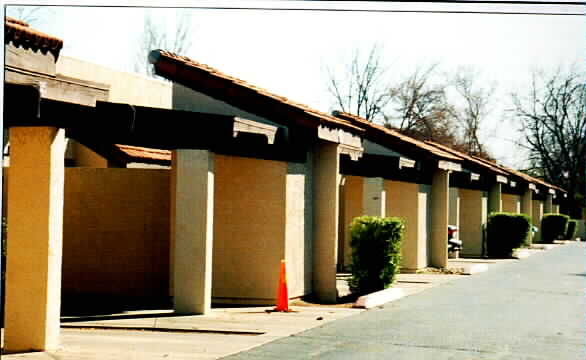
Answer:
(571, 230)
(505, 232)
(376, 252)
(553, 227)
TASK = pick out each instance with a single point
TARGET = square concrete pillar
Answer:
(527, 208)
(326, 180)
(548, 204)
(35, 230)
(351, 206)
(374, 197)
(440, 207)
(473, 221)
(537, 215)
(454, 218)
(555, 208)
(192, 225)
(495, 201)
(527, 203)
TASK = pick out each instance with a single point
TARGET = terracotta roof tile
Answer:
(389, 132)
(16, 21)
(522, 175)
(138, 152)
(244, 86)
(21, 34)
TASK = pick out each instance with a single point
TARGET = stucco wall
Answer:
(352, 196)
(511, 203)
(581, 230)
(188, 99)
(555, 208)
(405, 200)
(116, 232)
(473, 218)
(537, 214)
(83, 156)
(250, 209)
(125, 87)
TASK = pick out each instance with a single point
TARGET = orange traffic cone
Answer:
(282, 293)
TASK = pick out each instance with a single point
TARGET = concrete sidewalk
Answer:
(164, 335)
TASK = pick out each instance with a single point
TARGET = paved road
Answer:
(531, 309)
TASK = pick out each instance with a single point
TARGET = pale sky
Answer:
(286, 51)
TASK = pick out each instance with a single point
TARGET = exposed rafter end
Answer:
(338, 136)
(448, 165)
(551, 191)
(502, 179)
(512, 184)
(254, 127)
(406, 163)
(354, 152)
(533, 187)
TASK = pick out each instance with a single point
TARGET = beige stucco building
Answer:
(194, 190)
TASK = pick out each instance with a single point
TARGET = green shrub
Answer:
(571, 230)
(376, 252)
(553, 226)
(505, 232)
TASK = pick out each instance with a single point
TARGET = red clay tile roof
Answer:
(21, 34)
(524, 176)
(237, 92)
(138, 153)
(356, 120)
(486, 164)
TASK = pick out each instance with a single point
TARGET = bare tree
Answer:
(361, 90)
(159, 35)
(475, 107)
(31, 15)
(419, 108)
(553, 123)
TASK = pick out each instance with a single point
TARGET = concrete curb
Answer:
(378, 298)
(522, 254)
(471, 269)
(543, 246)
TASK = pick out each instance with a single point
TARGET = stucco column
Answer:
(473, 221)
(192, 223)
(440, 199)
(527, 208)
(548, 204)
(374, 197)
(326, 169)
(555, 208)
(537, 215)
(35, 230)
(495, 202)
(527, 203)
(454, 218)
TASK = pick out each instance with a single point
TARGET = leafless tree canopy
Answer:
(426, 105)
(554, 126)
(475, 106)
(31, 15)
(419, 108)
(157, 35)
(361, 90)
